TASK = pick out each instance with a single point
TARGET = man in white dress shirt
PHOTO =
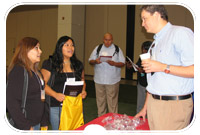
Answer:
(107, 74)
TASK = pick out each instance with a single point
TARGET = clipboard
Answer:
(73, 88)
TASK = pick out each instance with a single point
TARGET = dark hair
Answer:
(156, 8)
(146, 45)
(21, 54)
(57, 58)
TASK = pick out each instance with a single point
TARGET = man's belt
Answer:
(171, 97)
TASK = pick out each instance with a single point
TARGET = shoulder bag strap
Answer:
(24, 92)
(52, 77)
(116, 50)
(98, 49)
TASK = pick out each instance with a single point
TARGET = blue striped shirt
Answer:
(174, 45)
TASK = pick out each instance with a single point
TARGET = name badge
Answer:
(42, 90)
(70, 79)
(42, 95)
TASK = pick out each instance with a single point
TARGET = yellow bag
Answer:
(72, 113)
(43, 128)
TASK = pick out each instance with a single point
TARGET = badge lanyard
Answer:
(70, 79)
(152, 57)
(151, 51)
(41, 83)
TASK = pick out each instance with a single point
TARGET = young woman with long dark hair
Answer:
(64, 65)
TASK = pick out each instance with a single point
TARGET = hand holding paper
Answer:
(133, 64)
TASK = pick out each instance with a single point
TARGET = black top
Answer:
(60, 79)
(35, 109)
(142, 78)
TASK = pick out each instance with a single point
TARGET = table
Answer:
(98, 121)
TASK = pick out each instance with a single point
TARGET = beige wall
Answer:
(99, 20)
(71, 22)
(41, 24)
(86, 24)
(64, 20)
(47, 24)
(78, 30)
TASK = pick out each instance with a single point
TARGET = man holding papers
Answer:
(107, 59)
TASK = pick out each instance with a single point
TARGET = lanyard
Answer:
(151, 51)
(41, 83)
(71, 79)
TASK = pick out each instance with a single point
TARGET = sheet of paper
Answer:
(105, 58)
(74, 83)
(133, 64)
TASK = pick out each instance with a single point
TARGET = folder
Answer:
(73, 88)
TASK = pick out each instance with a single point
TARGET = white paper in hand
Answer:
(105, 58)
(133, 64)
(72, 84)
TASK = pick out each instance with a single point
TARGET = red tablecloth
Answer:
(98, 121)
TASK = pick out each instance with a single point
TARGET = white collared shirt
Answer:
(104, 73)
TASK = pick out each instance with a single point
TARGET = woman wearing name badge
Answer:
(66, 112)
(24, 77)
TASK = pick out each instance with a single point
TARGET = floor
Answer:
(126, 104)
